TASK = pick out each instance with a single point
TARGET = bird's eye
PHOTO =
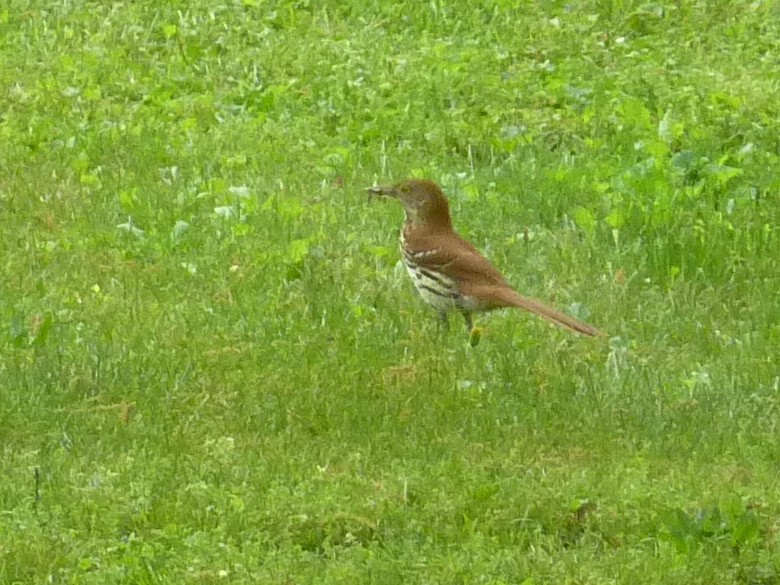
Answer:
(405, 188)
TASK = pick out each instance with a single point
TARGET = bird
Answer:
(448, 271)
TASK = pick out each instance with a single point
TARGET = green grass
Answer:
(212, 369)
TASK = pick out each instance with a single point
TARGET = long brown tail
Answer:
(556, 317)
(506, 297)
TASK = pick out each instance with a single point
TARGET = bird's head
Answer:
(423, 201)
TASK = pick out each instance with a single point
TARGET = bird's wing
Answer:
(455, 257)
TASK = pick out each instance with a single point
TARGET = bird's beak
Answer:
(382, 191)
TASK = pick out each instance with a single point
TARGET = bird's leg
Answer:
(475, 333)
(469, 321)
(443, 321)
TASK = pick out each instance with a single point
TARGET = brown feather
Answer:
(431, 246)
(503, 296)
(478, 278)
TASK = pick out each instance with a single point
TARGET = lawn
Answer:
(213, 368)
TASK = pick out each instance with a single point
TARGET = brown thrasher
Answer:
(448, 271)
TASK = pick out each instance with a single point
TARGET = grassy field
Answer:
(214, 370)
